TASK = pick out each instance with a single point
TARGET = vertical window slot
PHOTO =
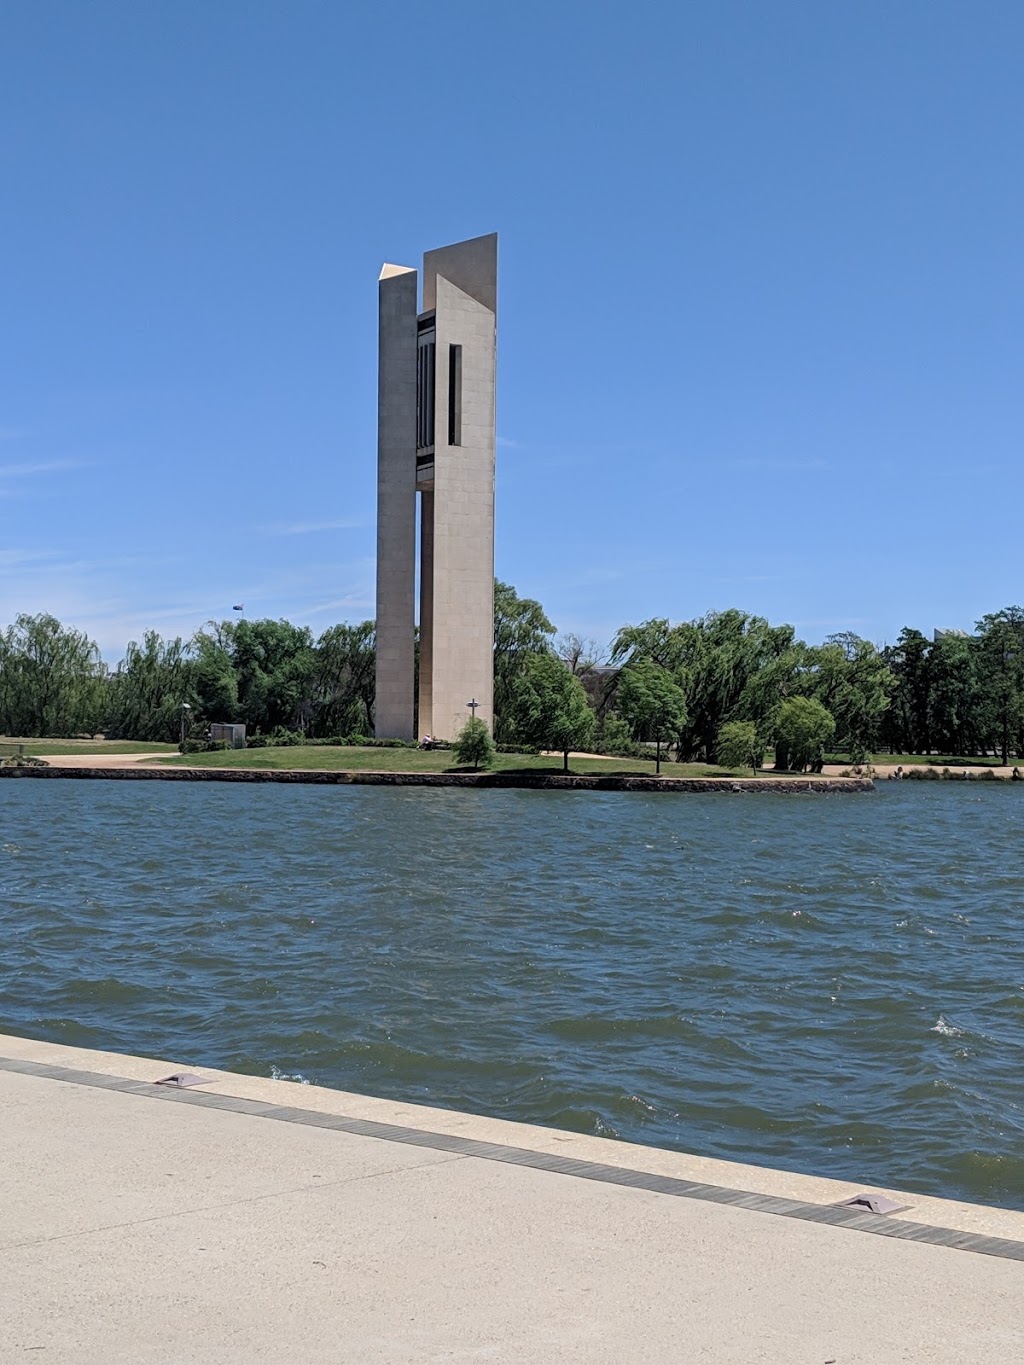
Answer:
(455, 395)
(425, 392)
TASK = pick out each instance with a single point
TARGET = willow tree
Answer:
(149, 688)
(729, 665)
(521, 631)
(52, 681)
(344, 680)
(551, 707)
(652, 704)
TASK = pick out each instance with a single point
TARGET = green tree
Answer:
(802, 728)
(213, 680)
(1001, 666)
(473, 744)
(551, 707)
(344, 680)
(9, 714)
(521, 630)
(955, 695)
(852, 681)
(614, 735)
(739, 745)
(52, 681)
(905, 725)
(730, 666)
(274, 666)
(148, 689)
(652, 704)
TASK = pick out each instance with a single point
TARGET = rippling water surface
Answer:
(831, 984)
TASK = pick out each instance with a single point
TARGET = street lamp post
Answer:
(184, 707)
(472, 707)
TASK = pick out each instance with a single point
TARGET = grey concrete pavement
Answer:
(137, 1226)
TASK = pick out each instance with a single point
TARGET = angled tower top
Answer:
(387, 272)
(471, 266)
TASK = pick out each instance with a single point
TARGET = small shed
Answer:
(233, 735)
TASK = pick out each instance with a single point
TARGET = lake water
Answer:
(829, 984)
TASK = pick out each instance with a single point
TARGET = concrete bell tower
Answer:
(436, 438)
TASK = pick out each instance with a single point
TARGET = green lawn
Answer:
(351, 759)
(42, 747)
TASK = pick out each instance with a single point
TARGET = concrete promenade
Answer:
(253, 1220)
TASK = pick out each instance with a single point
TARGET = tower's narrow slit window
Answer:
(425, 391)
(455, 395)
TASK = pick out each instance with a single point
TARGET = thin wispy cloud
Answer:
(32, 468)
(11, 558)
(306, 528)
(507, 442)
(356, 601)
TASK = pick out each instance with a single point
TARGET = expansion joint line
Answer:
(832, 1215)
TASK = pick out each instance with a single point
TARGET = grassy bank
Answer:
(351, 759)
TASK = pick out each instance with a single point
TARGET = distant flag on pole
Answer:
(239, 606)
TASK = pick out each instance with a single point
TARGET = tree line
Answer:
(726, 686)
(267, 675)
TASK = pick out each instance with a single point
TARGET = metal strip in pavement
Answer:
(834, 1215)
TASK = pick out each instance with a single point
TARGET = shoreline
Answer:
(708, 1178)
(237, 1218)
(826, 785)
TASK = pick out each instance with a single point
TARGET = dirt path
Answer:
(102, 760)
(886, 770)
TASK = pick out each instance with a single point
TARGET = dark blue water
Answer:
(831, 984)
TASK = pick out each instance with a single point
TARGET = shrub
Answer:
(802, 729)
(373, 742)
(474, 745)
(280, 737)
(616, 739)
(739, 745)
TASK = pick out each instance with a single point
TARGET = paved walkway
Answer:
(148, 760)
(251, 1220)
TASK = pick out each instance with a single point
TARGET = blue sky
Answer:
(760, 299)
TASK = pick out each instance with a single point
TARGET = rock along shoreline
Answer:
(528, 781)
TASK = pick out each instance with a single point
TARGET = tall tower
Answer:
(435, 437)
